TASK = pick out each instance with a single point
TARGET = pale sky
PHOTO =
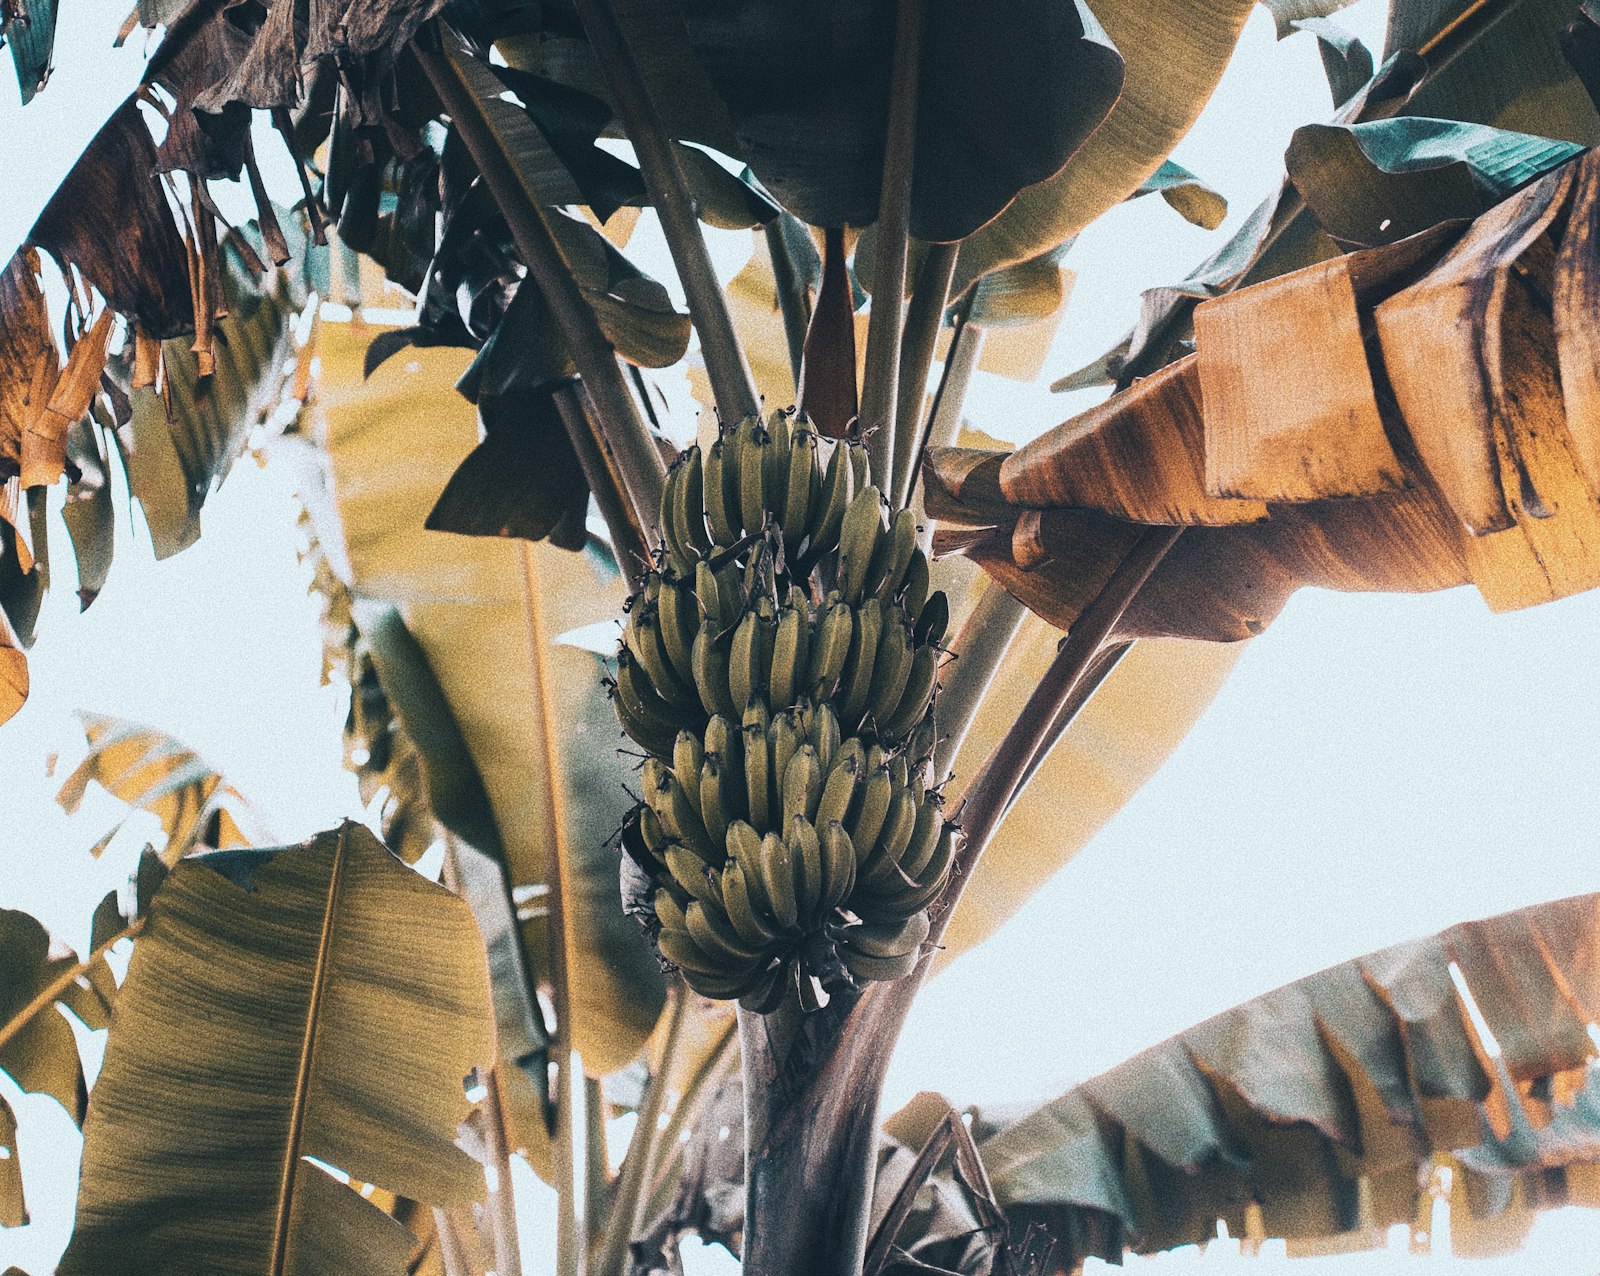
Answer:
(1376, 768)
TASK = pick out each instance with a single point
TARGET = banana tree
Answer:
(828, 804)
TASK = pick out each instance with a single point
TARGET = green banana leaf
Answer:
(809, 95)
(1175, 52)
(333, 1001)
(37, 1048)
(1288, 14)
(484, 612)
(13, 1206)
(1324, 1103)
(1380, 182)
(1188, 195)
(31, 33)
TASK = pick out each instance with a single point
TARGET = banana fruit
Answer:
(779, 668)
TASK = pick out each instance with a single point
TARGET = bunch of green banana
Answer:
(778, 847)
(779, 668)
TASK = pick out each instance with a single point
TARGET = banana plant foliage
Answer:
(329, 943)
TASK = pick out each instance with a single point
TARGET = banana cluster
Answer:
(779, 667)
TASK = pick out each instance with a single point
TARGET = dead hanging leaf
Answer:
(28, 360)
(142, 270)
(13, 671)
(44, 445)
(1470, 469)
(1322, 1103)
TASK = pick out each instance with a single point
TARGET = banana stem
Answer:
(793, 300)
(980, 646)
(1000, 780)
(611, 1259)
(1082, 692)
(639, 463)
(599, 464)
(726, 367)
(880, 379)
(923, 318)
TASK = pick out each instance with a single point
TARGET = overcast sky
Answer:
(1377, 767)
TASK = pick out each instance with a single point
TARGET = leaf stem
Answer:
(732, 386)
(793, 300)
(52, 991)
(923, 318)
(599, 464)
(880, 378)
(639, 462)
(503, 1199)
(996, 785)
(980, 646)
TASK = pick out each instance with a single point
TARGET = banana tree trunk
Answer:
(812, 1089)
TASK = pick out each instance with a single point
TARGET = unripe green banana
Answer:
(838, 790)
(715, 936)
(802, 785)
(802, 486)
(838, 866)
(719, 514)
(830, 651)
(777, 878)
(858, 541)
(890, 671)
(692, 874)
(887, 574)
(784, 737)
(711, 673)
(752, 465)
(687, 757)
(775, 463)
(746, 674)
(757, 764)
(894, 939)
(917, 583)
(856, 685)
(678, 619)
(824, 734)
(644, 715)
(918, 693)
(872, 810)
(683, 518)
(878, 969)
(723, 740)
(717, 805)
(882, 865)
(828, 509)
(678, 816)
(805, 850)
(791, 652)
(924, 840)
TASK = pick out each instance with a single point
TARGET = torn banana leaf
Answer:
(1324, 1103)
(13, 1205)
(1469, 465)
(357, 991)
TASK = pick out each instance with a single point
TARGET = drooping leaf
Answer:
(1346, 61)
(151, 771)
(174, 461)
(1323, 1101)
(723, 199)
(28, 362)
(1175, 52)
(142, 267)
(13, 1206)
(89, 513)
(13, 671)
(1189, 195)
(1290, 14)
(808, 89)
(485, 612)
(1380, 182)
(357, 992)
(1024, 293)
(31, 33)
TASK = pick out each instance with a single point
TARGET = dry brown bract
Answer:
(1410, 417)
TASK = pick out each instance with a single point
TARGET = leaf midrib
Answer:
(308, 1046)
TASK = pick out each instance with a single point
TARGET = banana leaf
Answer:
(484, 611)
(334, 1001)
(1187, 194)
(1323, 1104)
(31, 33)
(37, 1048)
(1175, 52)
(809, 90)
(13, 1206)
(151, 771)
